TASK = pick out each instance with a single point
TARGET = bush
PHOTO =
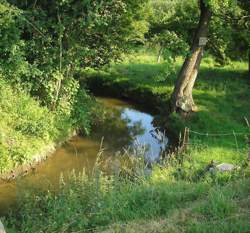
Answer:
(25, 127)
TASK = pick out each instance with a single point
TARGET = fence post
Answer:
(236, 142)
(180, 140)
(247, 122)
(185, 140)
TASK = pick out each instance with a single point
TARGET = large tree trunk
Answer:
(182, 98)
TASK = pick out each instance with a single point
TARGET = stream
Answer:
(127, 128)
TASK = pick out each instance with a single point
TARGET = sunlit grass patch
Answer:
(106, 202)
(186, 193)
(28, 128)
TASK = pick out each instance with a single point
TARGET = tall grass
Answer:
(126, 196)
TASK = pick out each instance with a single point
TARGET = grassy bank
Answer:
(129, 201)
(177, 197)
(221, 93)
(27, 128)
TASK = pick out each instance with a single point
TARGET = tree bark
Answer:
(182, 98)
(59, 81)
(249, 61)
(159, 54)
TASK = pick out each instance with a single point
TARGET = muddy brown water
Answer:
(126, 127)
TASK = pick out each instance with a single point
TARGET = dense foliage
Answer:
(25, 127)
(50, 51)
(228, 32)
(44, 43)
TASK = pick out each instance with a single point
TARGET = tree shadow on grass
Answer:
(155, 75)
(220, 78)
(160, 75)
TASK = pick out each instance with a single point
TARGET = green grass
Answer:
(177, 197)
(27, 128)
(221, 93)
(159, 203)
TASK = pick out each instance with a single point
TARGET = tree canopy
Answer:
(228, 38)
(44, 43)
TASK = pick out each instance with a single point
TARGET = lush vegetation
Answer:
(51, 52)
(129, 201)
(27, 128)
(173, 23)
(177, 197)
(42, 47)
(141, 78)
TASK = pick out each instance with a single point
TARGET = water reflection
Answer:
(128, 128)
(118, 130)
(124, 128)
(151, 138)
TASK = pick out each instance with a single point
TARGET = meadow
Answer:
(219, 130)
(181, 195)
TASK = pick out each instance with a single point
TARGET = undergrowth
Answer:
(221, 93)
(27, 127)
(128, 200)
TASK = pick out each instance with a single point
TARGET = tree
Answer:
(172, 22)
(245, 26)
(12, 60)
(63, 36)
(182, 98)
(180, 18)
(170, 44)
(230, 34)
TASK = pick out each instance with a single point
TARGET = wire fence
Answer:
(233, 139)
(220, 134)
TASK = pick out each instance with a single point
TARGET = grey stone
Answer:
(2, 228)
(224, 167)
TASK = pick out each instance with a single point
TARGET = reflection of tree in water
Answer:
(162, 124)
(160, 136)
(118, 131)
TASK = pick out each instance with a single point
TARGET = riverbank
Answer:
(130, 201)
(218, 130)
(35, 160)
(30, 132)
(123, 128)
(184, 194)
